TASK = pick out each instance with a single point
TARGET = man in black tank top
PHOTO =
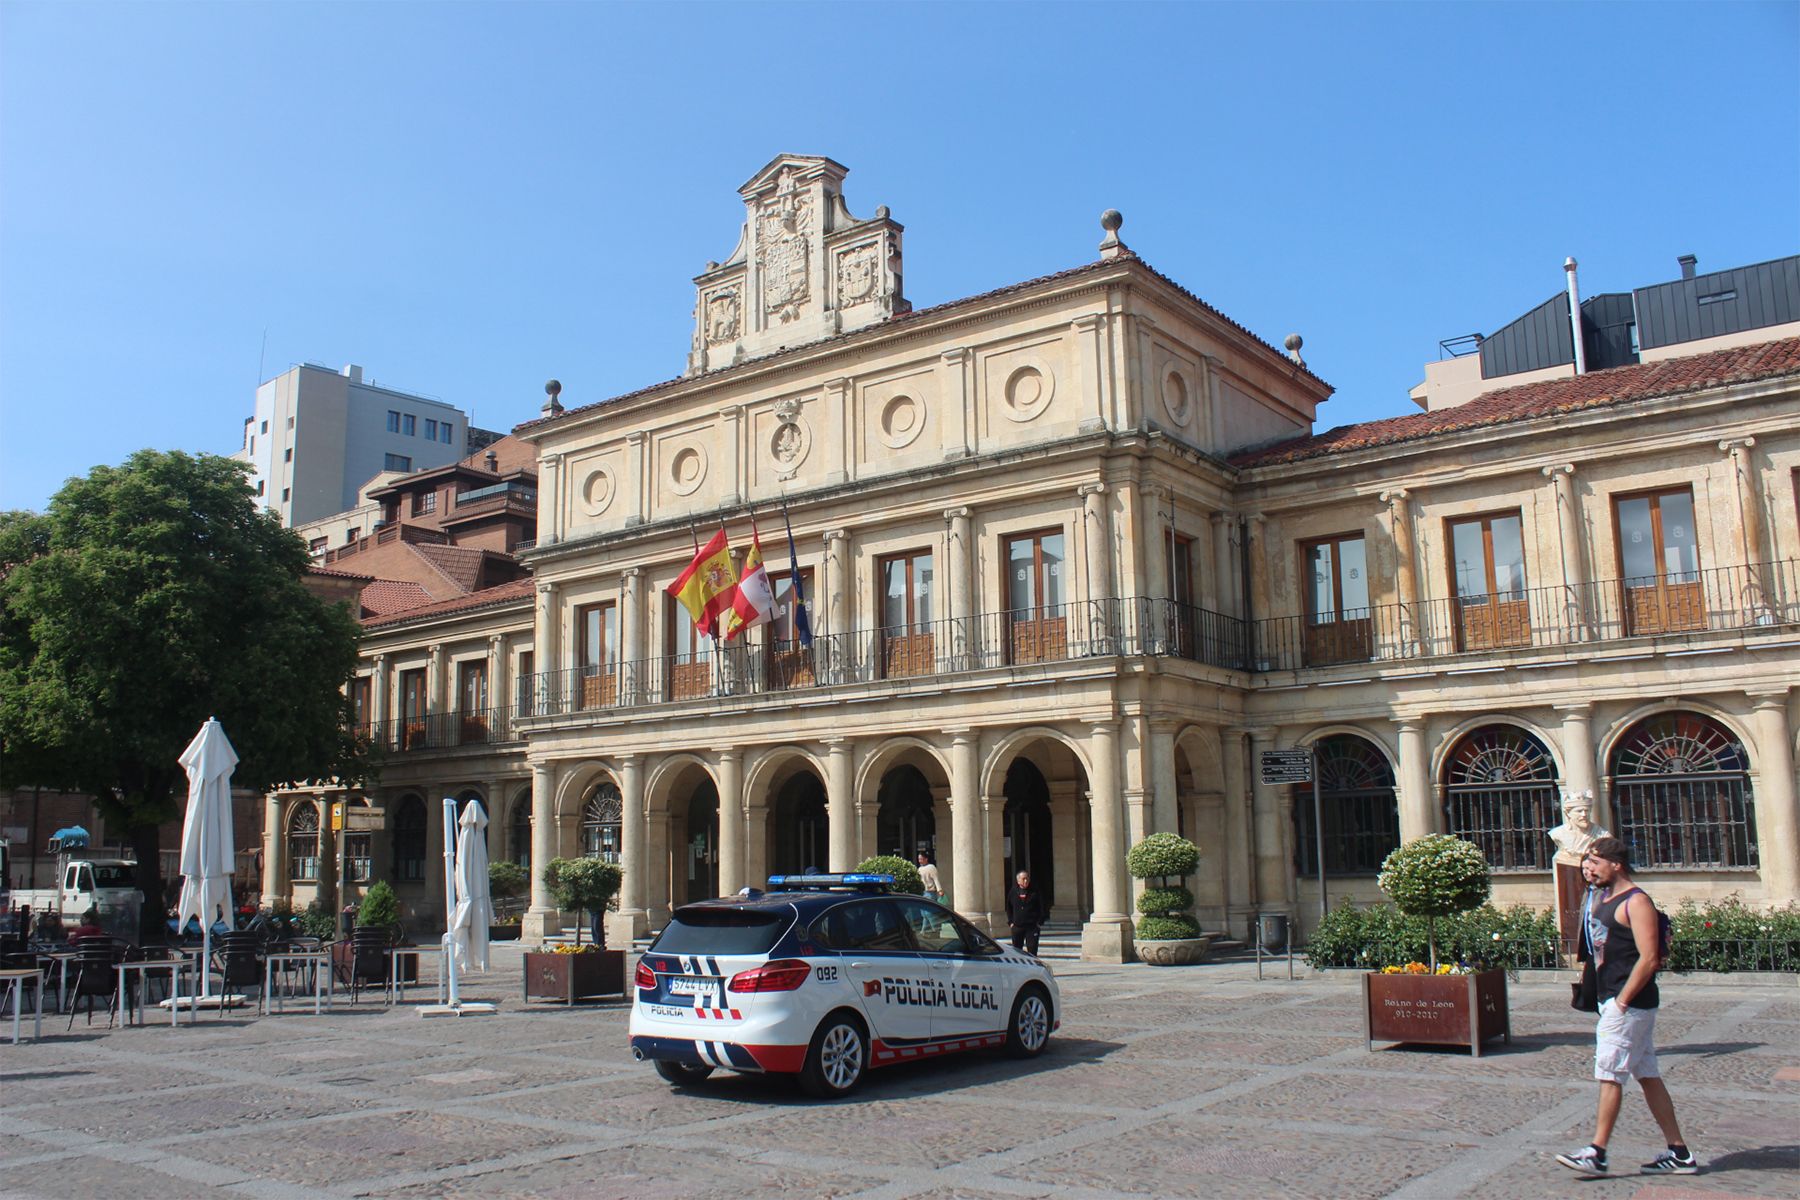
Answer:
(1627, 958)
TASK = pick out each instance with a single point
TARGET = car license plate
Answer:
(684, 985)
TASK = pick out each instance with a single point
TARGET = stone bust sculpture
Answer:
(1577, 831)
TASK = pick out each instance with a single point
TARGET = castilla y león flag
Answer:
(753, 603)
(707, 587)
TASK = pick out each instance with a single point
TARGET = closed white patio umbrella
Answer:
(470, 908)
(208, 852)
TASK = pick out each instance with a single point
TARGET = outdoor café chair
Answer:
(95, 971)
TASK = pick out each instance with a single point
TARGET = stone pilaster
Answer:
(1106, 937)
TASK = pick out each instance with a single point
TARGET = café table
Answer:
(318, 961)
(396, 981)
(176, 967)
(15, 979)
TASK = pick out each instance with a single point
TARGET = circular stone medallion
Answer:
(687, 470)
(597, 491)
(902, 420)
(1027, 392)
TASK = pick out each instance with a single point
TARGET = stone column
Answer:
(966, 879)
(1418, 802)
(1777, 836)
(274, 847)
(1577, 604)
(1154, 527)
(379, 701)
(1273, 863)
(328, 859)
(541, 917)
(756, 845)
(552, 696)
(1257, 531)
(632, 919)
(1406, 572)
(496, 659)
(1577, 739)
(550, 523)
(1240, 895)
(835, 430)
(1164, 787)
(1754, 587)
(1107, 935)
(1096, 526)
(1227, 592)
(632, 635)
(960, 556)
(731, 822)
(839, 644)
(840, 805)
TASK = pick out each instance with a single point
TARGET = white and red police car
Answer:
(826, 977)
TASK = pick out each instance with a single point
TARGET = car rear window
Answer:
(722, 931)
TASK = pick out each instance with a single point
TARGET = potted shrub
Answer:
(569, 973)
(906, 875)
(1167, 934)
(507, 881)
(1452, 1004)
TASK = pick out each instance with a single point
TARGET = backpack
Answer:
(1665, 931)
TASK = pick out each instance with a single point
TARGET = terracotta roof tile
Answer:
(901, 321)
(334, 573)
(386, 596)
(518, 589)
(1597, 389)
(460, 564)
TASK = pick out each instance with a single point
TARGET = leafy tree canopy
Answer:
(146, 598)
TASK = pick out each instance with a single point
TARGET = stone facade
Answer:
(1072, 560)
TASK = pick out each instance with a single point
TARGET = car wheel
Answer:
(1029, 1030)
(682, 1074)
(836, 1059)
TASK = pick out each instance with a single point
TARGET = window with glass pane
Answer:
(1034, 573)
(1487, 566)
(1335, 586)
(303, 842)
(412, 707)
(526, 685)
(1181, 569)
(598, 633)
(906, 592)
(690, 657)
(356, 857)
(1656, 537)
(361, 694)
(409, 840)
(789, 663)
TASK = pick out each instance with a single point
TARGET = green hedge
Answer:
(906, 875)
(1721, 936)
(1157, 929)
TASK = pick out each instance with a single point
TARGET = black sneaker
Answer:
(1671, 1163)
(1587, 1162)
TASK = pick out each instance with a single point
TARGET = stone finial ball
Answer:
(553, 388)
(1111, 219)
(1294, 341)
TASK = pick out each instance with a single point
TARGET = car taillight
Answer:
(646, 978)
(782, 975)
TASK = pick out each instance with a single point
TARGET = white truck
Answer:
(107, 885)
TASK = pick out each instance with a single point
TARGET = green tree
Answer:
(584, 883)
(146, 598)
(1435, 876)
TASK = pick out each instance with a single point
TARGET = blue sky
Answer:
(467, 199)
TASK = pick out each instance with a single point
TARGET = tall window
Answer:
(597, 638)
(444, 433)
(1335, 576)
(519, 849)
(906, 614)
(1681, 794)
(393, 422)
(1659, 562)
(1034, 597)
(303, 842)
(409, 425)
(472, 699)
(1487, 569)
(527, 684)
(362, 690)
(412, 709)
(357, 847)
(409, 840)
(430, 430)
(424, 502)
(601, 822)
(1359, 806)
(790, 664)
(689, 657)
(1500, 793)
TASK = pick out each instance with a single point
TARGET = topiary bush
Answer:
(1166, 906)
(316, 921)
(380, 908)
(1435, 876)
(906, 875)
(580, 884)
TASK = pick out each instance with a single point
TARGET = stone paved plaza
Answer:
(1164, 1082)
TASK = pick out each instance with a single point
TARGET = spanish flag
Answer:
(707, 587)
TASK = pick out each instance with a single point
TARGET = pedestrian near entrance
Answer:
(1025, 912)
(928, 878)
(1628, 930)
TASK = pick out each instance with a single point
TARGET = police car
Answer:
(826, 977)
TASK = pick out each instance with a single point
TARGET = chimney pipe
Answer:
(1575, 317)
(493, 462)
(1687, 262)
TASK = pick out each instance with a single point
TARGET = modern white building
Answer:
(319, 435)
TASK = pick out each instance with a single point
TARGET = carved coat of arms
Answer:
(721, 318)
(856, 276)
(784, 251)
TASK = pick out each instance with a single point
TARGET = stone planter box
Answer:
(572, 977)
(1436, 1010)
(1173, 952)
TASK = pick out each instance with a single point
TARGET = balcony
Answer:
(1759, 596)
(446, 731)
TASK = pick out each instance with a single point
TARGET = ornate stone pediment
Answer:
(804, 269)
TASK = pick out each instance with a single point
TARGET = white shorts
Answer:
(1625, 1044)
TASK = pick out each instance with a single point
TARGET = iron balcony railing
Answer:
(446, 730)
(1761, 595)
(1059, 633)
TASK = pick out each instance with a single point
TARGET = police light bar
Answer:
(850, 879)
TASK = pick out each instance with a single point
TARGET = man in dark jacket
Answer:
(1025, 913)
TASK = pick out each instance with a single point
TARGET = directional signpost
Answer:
(1297, 766)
